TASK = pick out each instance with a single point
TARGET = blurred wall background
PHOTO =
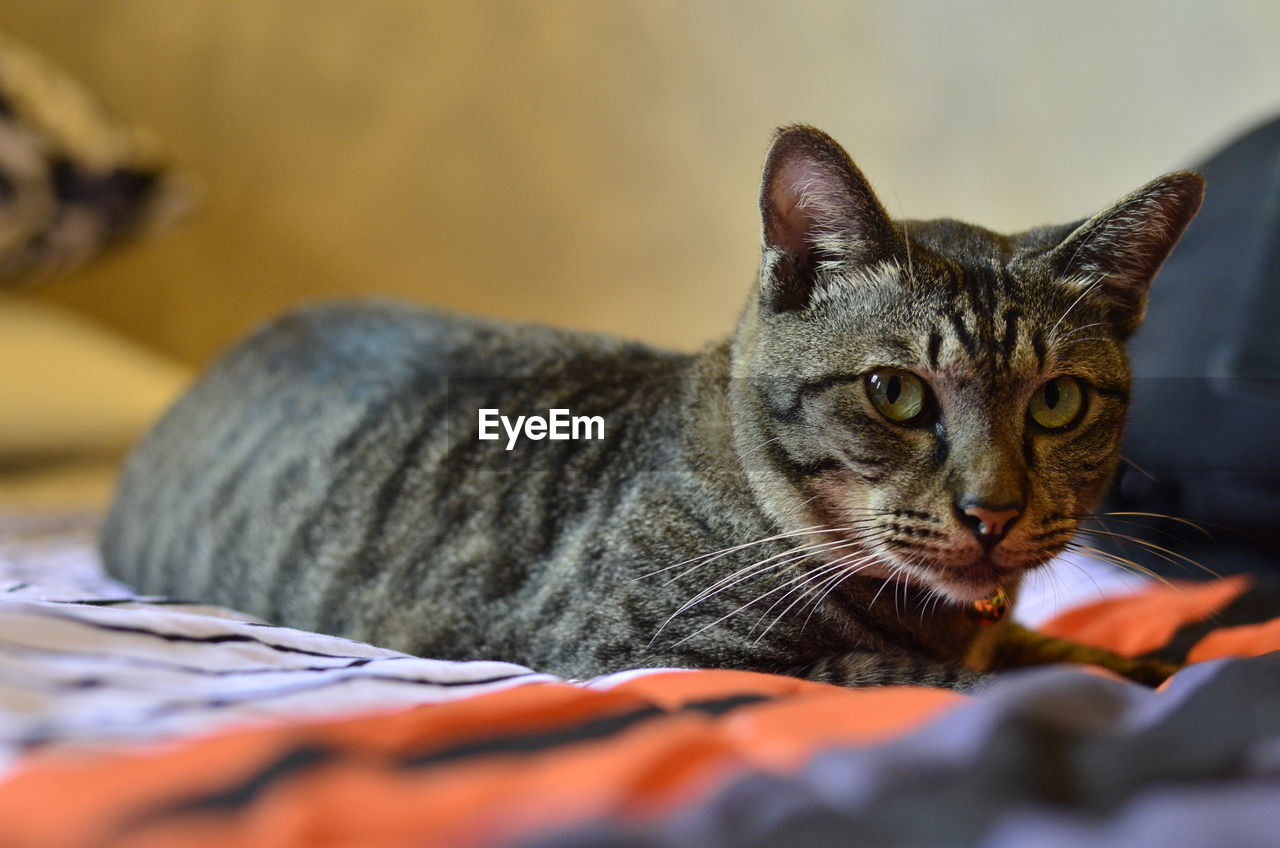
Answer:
(594, 163)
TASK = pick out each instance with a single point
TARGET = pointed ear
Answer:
(820, 217)
(1116, 254)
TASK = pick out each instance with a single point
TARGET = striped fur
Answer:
(748, 507)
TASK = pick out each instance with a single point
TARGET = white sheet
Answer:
(84, 662)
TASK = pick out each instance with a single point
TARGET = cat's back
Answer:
(322, 440)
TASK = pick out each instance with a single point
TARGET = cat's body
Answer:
(341, 487)
(328, 474)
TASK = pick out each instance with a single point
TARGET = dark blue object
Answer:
(1203, 441)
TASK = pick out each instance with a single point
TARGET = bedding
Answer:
(134, 721)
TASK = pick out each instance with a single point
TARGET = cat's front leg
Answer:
(888, 668)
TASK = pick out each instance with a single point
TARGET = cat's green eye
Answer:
(1057, 403)
(900, 396)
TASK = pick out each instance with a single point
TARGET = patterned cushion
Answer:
(74, 179)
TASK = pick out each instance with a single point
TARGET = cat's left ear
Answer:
(820, 217)
(1116, 254)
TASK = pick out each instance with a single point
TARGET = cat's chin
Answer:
(972, 581)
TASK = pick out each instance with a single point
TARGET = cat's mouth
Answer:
(978, 578)
(983, 575)
(983, 572)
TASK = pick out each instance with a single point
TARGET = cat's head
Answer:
(952, 398)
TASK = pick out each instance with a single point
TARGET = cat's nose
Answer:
(988, 523)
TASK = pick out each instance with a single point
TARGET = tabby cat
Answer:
(909, 416)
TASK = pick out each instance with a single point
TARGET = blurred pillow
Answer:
(73, 178)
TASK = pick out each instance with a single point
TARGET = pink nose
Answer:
(991, 522)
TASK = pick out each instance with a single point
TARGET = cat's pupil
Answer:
(1051, 394)
(893, 390)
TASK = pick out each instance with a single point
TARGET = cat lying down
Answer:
(909, 417)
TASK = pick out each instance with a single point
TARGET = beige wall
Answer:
(593, 164)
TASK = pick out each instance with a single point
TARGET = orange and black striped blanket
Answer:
(140, 722)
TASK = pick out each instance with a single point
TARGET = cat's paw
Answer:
(1148, 672)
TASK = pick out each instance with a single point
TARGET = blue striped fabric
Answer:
(83, 662)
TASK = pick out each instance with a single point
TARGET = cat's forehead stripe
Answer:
(961, 333)
(935, 345)
(982, 325)
(1010, 339)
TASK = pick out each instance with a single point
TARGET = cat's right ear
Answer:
(1114, 256)
(820, 217)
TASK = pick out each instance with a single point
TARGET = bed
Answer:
(137, 721)
(156, 722)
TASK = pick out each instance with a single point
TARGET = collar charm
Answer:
(990, 610)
